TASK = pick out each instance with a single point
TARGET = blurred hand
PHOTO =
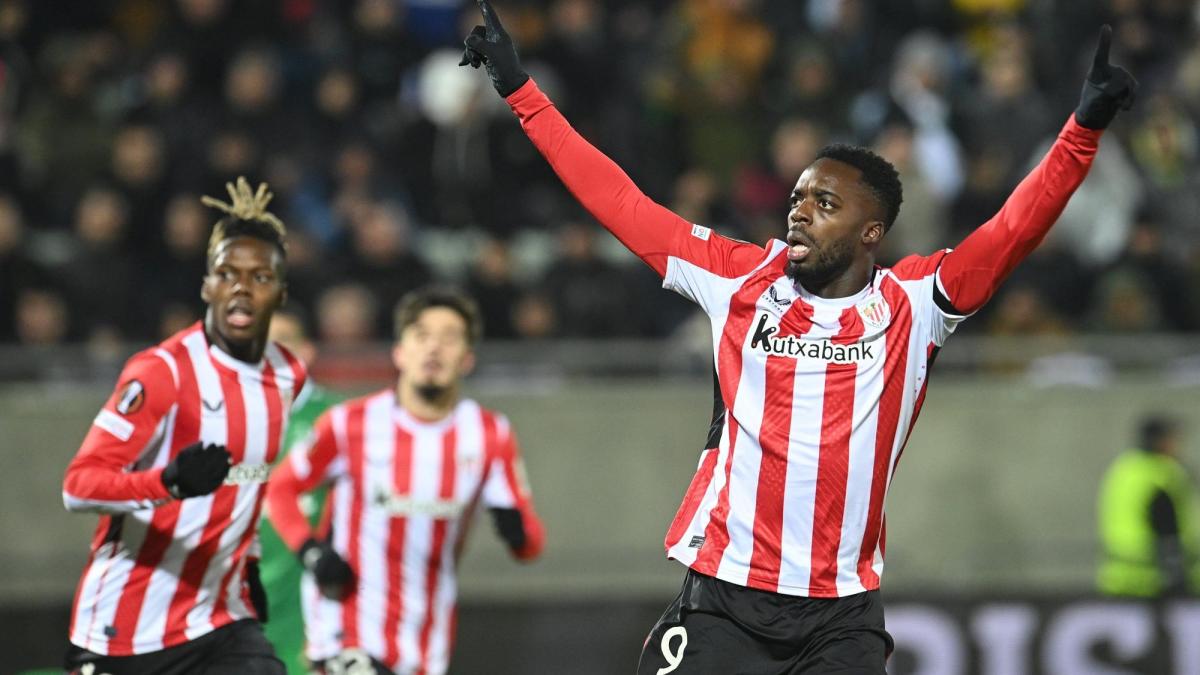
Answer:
(333, 575)
(1106, 90)
(197, 470)
(491, 46)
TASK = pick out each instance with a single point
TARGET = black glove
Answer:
(258, 594)
(197, 470)
(1106, 90)
(333, 575)
(490, 45)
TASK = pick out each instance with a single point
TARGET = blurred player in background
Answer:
(408, 466)
(177, 461)
(821, 361)
(1149, 512)
(279, 568)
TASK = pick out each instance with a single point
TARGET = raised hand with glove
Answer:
(1107, 89)
(490, 45)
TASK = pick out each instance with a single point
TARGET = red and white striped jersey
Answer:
(165, 571)
(403, 492)
(819, 395)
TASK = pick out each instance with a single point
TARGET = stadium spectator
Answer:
(1149, 518)
(175, 97)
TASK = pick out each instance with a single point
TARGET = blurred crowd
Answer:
(392, 166)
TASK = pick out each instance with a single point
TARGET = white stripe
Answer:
(800, 489)
(86, 633)
(379, 451)
(471, 438)
(418, 545)
(322, 621)
(114, 575)
(171, 364)
(860, 469)
(743, 479)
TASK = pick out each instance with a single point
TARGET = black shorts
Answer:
(718, 628)
(239, 648)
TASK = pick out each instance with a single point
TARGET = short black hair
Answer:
(1154, 430)
(878, 174)
(409, 309)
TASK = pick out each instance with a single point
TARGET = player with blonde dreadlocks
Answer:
(176, 464)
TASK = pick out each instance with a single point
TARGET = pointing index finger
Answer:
(490, 19)
(1101, 58)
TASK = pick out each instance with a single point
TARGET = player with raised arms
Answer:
(821, 357)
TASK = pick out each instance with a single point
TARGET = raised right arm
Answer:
(651, 231)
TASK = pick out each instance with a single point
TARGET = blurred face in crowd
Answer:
(834, 223)
(100, 218)
(138, 156)
(243, 288)
(185, 230)
(288, 330)
(434, 353)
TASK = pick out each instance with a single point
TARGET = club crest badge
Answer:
(875, 312)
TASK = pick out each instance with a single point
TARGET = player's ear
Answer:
(206, 292)
(873, 232)
(398, 355)
(468, 363)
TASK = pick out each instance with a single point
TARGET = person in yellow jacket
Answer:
(1149, 515)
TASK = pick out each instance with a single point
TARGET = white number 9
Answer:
(673, 659)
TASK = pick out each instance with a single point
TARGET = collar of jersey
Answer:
(218, 355)
(847, 301)
(406, 419)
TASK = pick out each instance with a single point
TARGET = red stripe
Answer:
(436, 554)
(729, 373)
(894, 381)
(402, 460)
(693, 497)
(355, 452)
(191, 576)
(773, 438)
(161, 532)
(274, 422)
(837, 420)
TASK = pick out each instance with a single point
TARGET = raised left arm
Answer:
(970, 274)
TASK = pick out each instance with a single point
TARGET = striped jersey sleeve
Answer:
(111, 472)
(507, 487)
(317, 459)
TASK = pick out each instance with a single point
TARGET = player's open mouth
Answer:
(798, 247)
(797, 253)
(240, 317)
